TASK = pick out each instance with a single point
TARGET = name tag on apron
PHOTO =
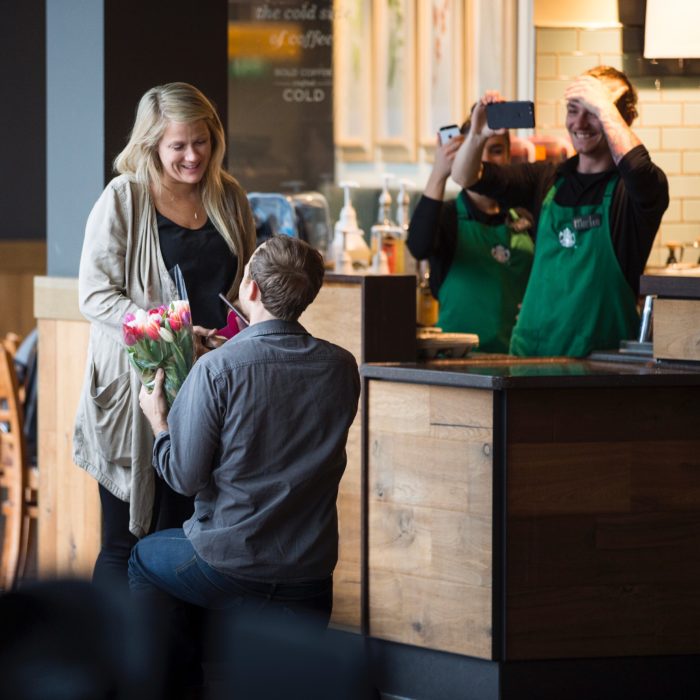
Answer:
(584, 223)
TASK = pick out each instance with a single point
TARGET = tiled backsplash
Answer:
(668, 122)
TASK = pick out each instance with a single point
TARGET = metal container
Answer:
(304, 215)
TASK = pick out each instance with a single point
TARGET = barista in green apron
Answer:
(578, 298)
(598, 212)
(486, 281)
(479, 264)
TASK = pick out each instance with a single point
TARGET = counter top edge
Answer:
(593, 374)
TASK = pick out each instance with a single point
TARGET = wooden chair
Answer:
(18, 481)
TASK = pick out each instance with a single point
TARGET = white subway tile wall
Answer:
(673, 213)
(691, 161)
(669, 161)
(668, 122)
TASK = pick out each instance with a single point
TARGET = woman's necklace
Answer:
(174, 201)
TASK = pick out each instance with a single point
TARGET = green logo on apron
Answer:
(500, 254)
(567, 238)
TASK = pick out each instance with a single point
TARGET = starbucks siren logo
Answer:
(500, 253)
(567, 238)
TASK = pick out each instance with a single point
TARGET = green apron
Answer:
(578, 299)
(486, 281)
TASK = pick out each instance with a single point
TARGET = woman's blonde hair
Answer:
(183, 103)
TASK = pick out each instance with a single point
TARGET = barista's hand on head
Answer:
(445, 154)
(596, 96)
(154, 405)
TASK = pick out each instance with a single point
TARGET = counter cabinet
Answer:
(522, 512)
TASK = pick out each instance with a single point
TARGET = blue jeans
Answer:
(166, 562)
(164, 568)
(170, 509)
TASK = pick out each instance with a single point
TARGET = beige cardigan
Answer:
(121, 270)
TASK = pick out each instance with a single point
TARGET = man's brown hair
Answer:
(627, 102)
(289, 273)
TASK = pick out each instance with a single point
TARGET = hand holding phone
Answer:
(448, 132)
(510, 115)
(235, 321)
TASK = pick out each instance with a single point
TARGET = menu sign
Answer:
(280, 107)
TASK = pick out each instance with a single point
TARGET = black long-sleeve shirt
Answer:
(639, 200)
(432, 233)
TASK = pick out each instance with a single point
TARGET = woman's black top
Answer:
(208, 267)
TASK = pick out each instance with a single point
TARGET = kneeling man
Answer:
(257, 434)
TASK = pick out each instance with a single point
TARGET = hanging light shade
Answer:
(671, 29)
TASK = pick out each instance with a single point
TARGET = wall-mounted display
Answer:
(281, 94)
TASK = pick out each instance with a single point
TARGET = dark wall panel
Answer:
(156, 42)
(23, 86)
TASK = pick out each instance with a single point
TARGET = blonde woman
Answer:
(172, 203)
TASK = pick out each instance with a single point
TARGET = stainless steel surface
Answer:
(645, 325)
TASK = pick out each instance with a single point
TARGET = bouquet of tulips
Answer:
(161, 337)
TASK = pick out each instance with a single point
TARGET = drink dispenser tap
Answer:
(380, 260)
(403, 218)
(349, 245)
(384, 215)
(386, 236)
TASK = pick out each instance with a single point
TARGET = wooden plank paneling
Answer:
(603, 524)
(430, 512)
(430, 613)
(602, 414)
(677, 329)
(599, 621)
(20, 262)
(608, 550)
(435, 472)
(336, 315)
(57, 298)
(554, 478)
(580, 621)
(441, 544)
(69, 509)
(423, 410)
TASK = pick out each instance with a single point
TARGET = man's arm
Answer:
(595, 96)
(466, 167)
(187, 438)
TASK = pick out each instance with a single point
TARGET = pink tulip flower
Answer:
(152, 326)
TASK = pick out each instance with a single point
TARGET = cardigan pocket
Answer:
(112, 417)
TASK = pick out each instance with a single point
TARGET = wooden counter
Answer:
(524, 511)
(20, 262)
(676, 328)
(372, 317)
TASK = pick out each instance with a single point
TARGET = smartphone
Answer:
(448, 132)
(510, 115)
(239, 314)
